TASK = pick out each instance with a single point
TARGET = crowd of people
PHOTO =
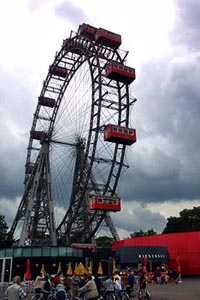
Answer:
(163, 277)
(93, 287)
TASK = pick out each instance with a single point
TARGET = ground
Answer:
(189, 289)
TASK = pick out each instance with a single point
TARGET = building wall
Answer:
(186, 245)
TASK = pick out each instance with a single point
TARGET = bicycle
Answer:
(37, 297)
(144, 294)
(68, 295)
(51, 297)
(133, 293)
(109, 296)
(123, 295)
(81, 296)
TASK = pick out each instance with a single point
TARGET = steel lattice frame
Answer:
(109, 103)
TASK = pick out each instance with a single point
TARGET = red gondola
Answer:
(119, 134)
(87, 30)
(104, 203)
(45, 101)
(73, 46)
(108, 38)
(29, 168)
(58, 71)
(119, 72)
(38, 135)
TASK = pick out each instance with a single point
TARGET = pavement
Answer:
(188, 289)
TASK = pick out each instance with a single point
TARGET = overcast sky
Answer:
(162, 38)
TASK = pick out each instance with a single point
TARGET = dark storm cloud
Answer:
(187, 25)
(165, 160)
(15, 112)
(140, 218)
(70, 12)
(8, 208)
(164, 163)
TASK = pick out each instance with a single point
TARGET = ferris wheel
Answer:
(77, 142)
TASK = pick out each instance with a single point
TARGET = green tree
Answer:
(143, 233)
(5, 238)
(104, 241)
(188, 220)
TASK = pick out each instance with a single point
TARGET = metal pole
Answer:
(110, 266)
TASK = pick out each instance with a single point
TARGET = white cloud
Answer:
(172, 208)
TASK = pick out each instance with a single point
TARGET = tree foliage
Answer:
(143, 233)
(5, 238)
(104, 241)
(189, 220)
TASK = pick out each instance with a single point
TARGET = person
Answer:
(59, 290)
(98, 283)
(75, 285)
(15, 291)
(57, 278)
(38, 285)
(163, 278)
(174, 276)
(142, 282)
(46, 288)
(157, 275)
(90, 289)
(131, 281)
(82, 280)
(66, 285)
(117, 285)
(108, 286)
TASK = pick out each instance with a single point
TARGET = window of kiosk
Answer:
(36, 252)
(18, 252)
(26, 252)
(46, 251)
(54, 251)
(62, 251)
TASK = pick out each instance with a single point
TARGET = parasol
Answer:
(28, 270)
(59, 268)
(76, 271)
(43, 271)
(69, 269)
(144, 265)
(81, 269)
(100, 270)
(178, 264)
(90, 268)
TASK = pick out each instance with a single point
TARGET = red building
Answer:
(184, 245)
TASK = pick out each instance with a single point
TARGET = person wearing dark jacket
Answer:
(98, 283)
(131, 281)
(46, 287)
